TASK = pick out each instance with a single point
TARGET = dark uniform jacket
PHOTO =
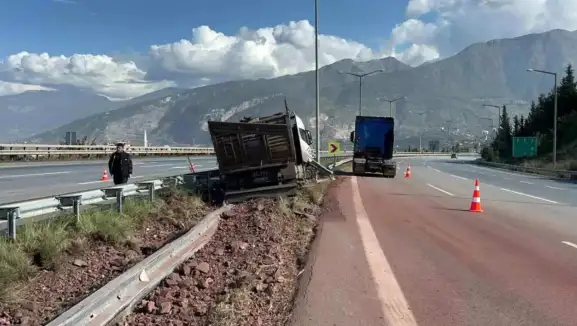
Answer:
(120, 165)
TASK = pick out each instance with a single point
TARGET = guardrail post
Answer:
(13, 213)
(119, 200)
(151, 191)
(149, 185)
(76, 208)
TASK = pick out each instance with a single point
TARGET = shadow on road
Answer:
(350, 174)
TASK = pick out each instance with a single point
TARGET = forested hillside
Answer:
(539, 123)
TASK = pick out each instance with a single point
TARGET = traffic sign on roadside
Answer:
(334, 147)
(524, 146)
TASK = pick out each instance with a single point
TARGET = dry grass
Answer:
(42, 245)
(233, 308)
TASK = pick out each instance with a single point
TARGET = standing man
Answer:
(120, 165)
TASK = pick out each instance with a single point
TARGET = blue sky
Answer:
(108, 26)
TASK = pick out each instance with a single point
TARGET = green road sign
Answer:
(524, 146)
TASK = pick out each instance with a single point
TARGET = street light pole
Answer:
(554, 74)
(420, 133)
(360, 77)
(498, 108)
(317, 87)
(391, 104)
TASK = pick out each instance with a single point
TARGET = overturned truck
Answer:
(262, 156)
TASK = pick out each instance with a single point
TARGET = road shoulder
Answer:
(337, 287)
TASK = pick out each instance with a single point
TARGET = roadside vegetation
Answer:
(57, 262)
(539, 123)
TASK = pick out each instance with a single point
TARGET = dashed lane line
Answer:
(557, 188)
(32, 175)
(530, 196)
(441, 190)
(570, 244)
(458, 177)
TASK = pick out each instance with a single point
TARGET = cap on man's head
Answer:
(119, 144)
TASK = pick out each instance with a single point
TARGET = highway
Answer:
(30, 180)
(408, 251)
(23, 181)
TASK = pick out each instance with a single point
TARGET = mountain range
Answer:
(437, 97)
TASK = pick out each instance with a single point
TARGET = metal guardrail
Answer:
(40, 150)
(560, 174)
(49, 150)
(72, 202)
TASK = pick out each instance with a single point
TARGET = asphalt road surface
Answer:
(407, 251)
(23, 181)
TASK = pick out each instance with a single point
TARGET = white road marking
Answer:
(458, 177)
(527, 182)
(530, 196)
(186, 167)
(570, 244)
(91, 182)
(551, 187)
(157, 165)
(439, 189)
(433, 168)
(32, 175)
(394, 305)
(109, 180)
(518, 174)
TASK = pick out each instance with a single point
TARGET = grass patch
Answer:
(43, 245)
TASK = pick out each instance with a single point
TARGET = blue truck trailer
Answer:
(374, 139)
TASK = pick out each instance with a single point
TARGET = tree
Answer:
(539, 122)
(503, 141)
(516, 126)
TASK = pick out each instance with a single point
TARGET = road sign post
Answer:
(524, 146)
(334, 149)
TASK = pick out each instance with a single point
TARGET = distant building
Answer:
(70, 138)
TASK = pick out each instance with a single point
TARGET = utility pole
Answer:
(360, 77)
(554, 74)
(317, 87)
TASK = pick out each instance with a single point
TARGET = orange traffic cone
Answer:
(104, 176)
(476, 202)
(408, 172)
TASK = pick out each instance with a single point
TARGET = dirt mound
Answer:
(246, 275)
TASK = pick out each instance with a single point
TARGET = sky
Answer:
(125, 48)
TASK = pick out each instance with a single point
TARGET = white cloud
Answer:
(210, 56)
(7, 88)
(459, 23)
(266, 52)
(100, 73)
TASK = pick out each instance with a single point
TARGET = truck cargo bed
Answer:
(248, 146)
